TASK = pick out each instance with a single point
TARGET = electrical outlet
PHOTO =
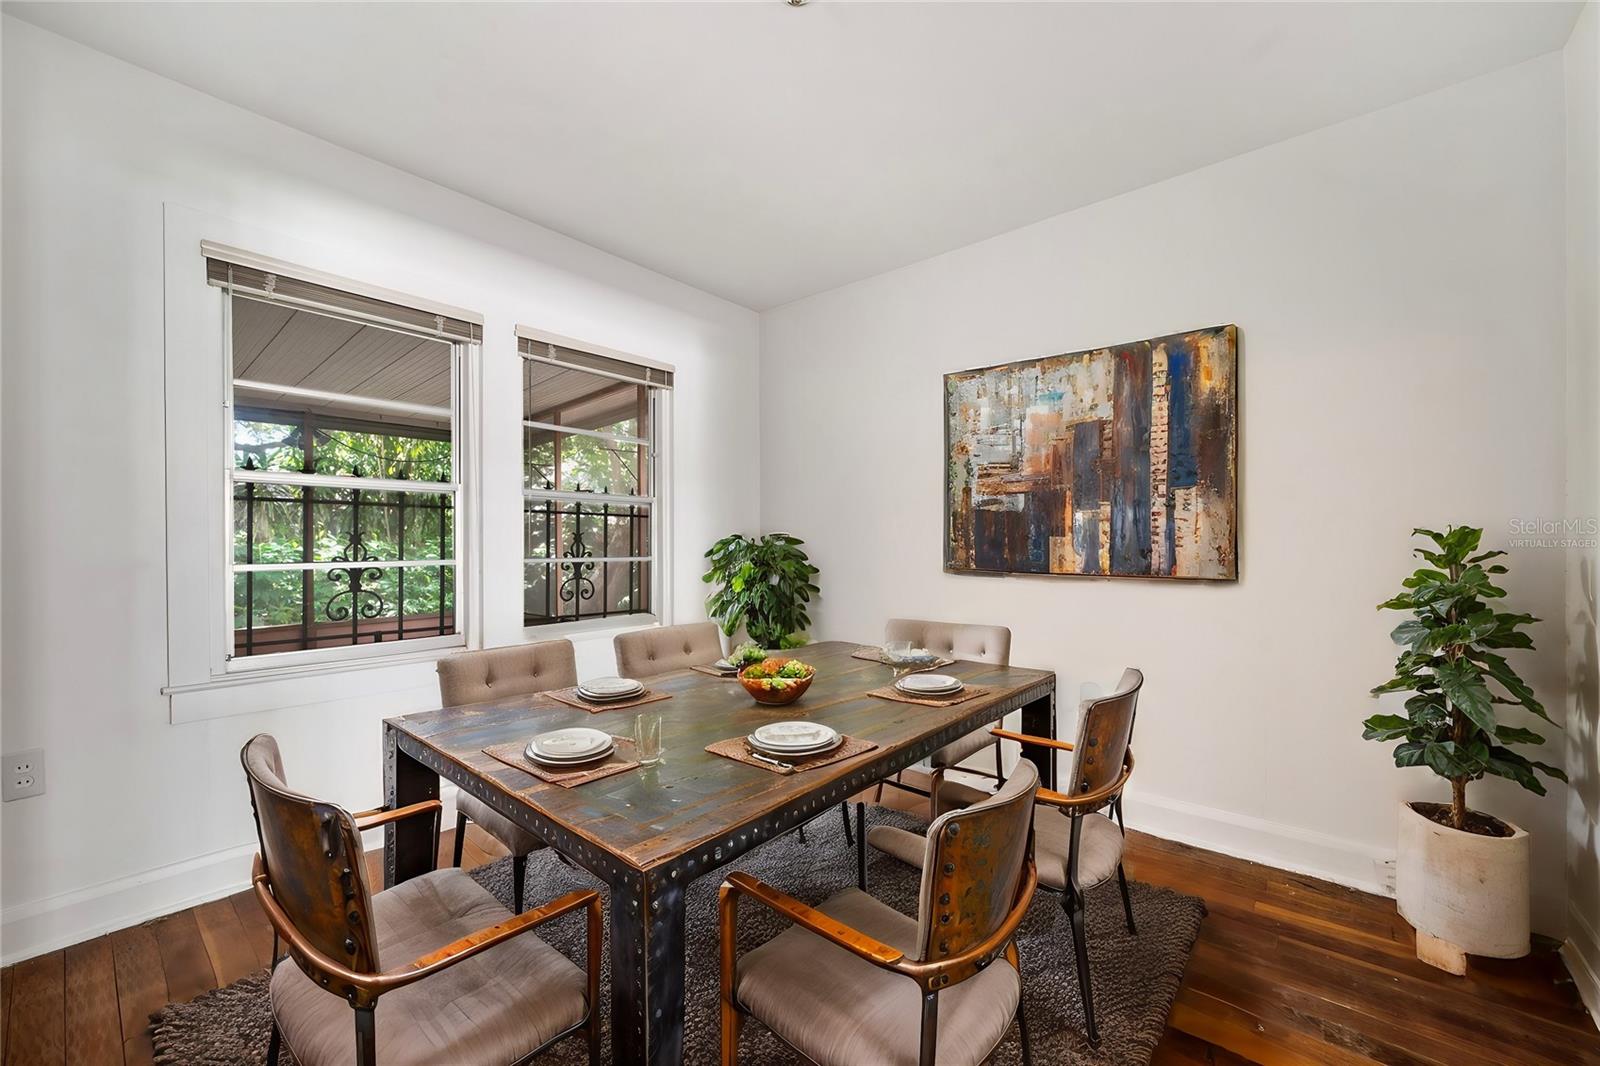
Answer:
(24, 774)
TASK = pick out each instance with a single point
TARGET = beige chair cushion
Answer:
(1099, 848)
(491, 1009)
(517, 840)
(840, 1010)
(648, 652)
(1099, 844)
(504, 673)
(978, 644)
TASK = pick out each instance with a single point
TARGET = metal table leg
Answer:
(407, 845)
(647, 970)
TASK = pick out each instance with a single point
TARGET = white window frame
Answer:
(462, 357)
(658, 445)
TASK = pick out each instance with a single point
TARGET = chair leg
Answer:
(274, 961)
(930, 1029)
(844, 812)
(519, 870)
(366, 1037)
(1015, 959)
(1127, 901)
(1073, 902)
(461, 837)
(802, 834)
(877, 797)
(272, 1045)
(861, 846)
(934, 781)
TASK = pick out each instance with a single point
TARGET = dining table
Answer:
(648, 832)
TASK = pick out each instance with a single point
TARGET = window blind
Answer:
(591, 362)
(266, 279)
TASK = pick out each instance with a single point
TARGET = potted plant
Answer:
(1461, 876)
(763, 585)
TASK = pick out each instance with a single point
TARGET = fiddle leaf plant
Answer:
(1451, 664)
(762, 584)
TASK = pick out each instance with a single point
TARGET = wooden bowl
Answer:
(775, 697)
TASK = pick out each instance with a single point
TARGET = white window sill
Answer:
(590, 627)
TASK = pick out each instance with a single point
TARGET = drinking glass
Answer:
(647, 737)
(896, 650)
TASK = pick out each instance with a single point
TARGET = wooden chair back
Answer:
(311, 854)
(1105, 729)
(972, 870)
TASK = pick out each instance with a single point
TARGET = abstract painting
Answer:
(1118, 462)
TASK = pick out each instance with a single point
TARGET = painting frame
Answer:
(1228, 335)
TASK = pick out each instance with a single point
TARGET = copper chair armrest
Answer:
(1089, 801)
(373, 985)
(807, 917)
(1028, 738)
(465, 947)
(383, 815)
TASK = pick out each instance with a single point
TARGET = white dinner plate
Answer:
(792, 736)
(610, 686)
(577, 742)
(794, 753)
(929, 684)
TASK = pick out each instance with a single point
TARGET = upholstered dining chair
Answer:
(1076, 846)
(974, 643)
(643, 653)
(855, 981)
(459, 981)
(496, 674)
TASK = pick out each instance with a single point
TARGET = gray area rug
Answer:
(1135, 977)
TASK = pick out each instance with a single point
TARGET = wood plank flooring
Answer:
(1288, 969)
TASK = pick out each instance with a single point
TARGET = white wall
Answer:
(1580, 60)
(1398, 285)
(142, 816)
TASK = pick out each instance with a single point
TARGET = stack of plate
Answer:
(609, 689)
(929, 685)
(569, 747)
(793, 739)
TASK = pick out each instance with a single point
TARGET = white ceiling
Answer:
(764, 152)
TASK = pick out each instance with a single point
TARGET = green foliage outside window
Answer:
(276, 531)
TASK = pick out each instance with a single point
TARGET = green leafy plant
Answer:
(1451, 663)
(763, 585)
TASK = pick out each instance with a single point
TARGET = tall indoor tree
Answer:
(762, 584)
(1451, 663)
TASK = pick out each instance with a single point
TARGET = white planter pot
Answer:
(1466, 893)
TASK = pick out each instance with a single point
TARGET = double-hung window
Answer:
(344, 474)
(592, 513)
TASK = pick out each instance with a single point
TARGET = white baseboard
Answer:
(1286, 847)
(55, 922)
(1581, 953)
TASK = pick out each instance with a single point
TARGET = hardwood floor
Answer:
(1288, 969)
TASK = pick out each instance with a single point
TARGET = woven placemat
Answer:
(620, 759)
(875, 655)
(712, 671)
(971, 692)
(738, 749)
(570, 697)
